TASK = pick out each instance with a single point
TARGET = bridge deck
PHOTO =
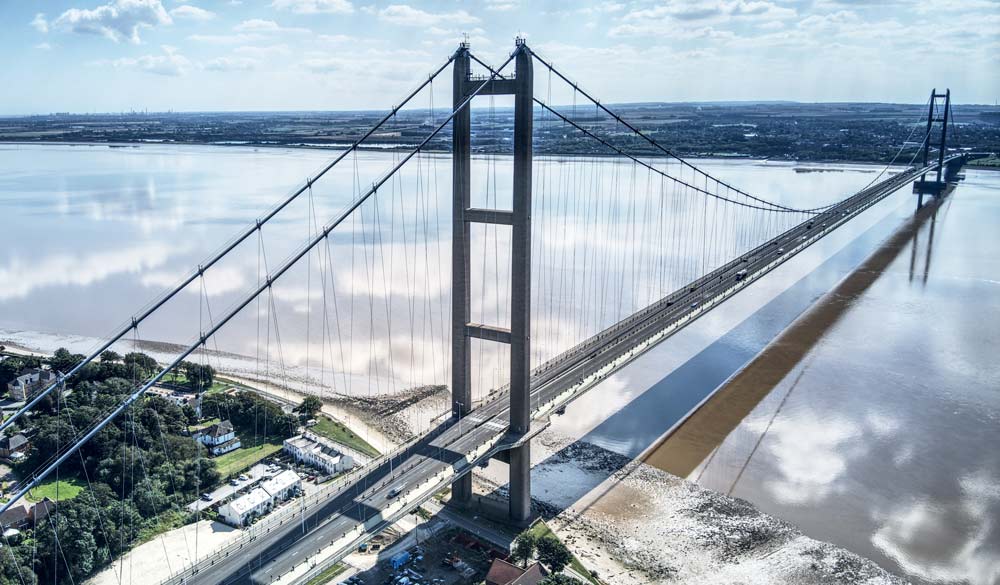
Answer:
(357, 507)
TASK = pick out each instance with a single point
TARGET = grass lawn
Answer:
(205, 424)
(327, 575)
(540, 530)
(178, 378)
(68, 489)
(220, 384)
(236, 461)
(339, 433)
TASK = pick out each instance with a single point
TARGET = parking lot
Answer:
(451, 556)
(227, 491)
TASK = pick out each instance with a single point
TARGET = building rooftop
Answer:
(249, 501)
(15, 442)
(503, 573)
(218, 429)
(308, 443)
(281, 482)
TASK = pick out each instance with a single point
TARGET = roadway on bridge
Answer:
(277, 552)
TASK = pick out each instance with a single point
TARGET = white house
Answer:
(282, 486)
(245, 508)
(312, 450)
(219, 438)
(260, 500)
(29, 380)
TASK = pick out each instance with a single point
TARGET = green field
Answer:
(327, 575)
(989, 162)
(540, 529)
(68, 489)
(339, 433)
(237, 461)
(204, 424)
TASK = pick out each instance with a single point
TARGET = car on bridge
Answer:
(395, 492)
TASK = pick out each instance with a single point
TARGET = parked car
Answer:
(206, 497)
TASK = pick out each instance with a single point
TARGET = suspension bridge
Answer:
(687, 240)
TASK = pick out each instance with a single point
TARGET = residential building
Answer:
(24, 513)
(282, 486)
(219, 438)
(313, 450)
(181, 399)
(14, 447)
(245, 508)
(260, 500)
(30, 380)
(17, 516)
(503, 573)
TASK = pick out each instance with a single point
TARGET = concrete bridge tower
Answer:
(519, 219)
(938, 113)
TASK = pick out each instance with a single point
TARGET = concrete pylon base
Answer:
(520, 485)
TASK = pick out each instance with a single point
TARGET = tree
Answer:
(309, 407)
(524, 548)
(142, 364)
(559, 579)
(199, 376)
(62, 360)
(110, 356)
(553, 553)
(9, 369)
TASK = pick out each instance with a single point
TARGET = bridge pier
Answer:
(519, 219)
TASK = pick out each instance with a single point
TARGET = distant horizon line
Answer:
(643, 103)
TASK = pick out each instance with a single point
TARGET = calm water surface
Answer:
(878, 432)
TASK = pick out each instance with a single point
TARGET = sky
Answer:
(212, 55)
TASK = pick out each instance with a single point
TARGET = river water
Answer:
(871, 424)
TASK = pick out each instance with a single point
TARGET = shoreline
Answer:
(377, 149)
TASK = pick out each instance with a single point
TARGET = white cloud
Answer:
(40, 23)
(501, 5)
(405, 15)
(314, 6)
(188, 12)
(230, 39)
(334, 38)
(263, 51)
(324, 64)
(44, 46)
(259, 25)
(118, 20)
(665, 19)
(230, 64)
(603, 8)
(170, 63)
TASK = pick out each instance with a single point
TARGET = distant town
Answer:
(858, 132)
